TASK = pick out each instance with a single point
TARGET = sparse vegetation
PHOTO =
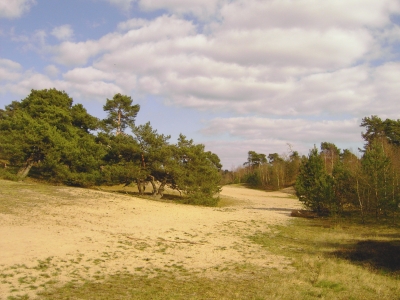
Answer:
(327, 260)
(322, 258)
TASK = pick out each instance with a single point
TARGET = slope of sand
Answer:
(90, 234)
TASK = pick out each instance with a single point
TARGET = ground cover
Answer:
(68, 243)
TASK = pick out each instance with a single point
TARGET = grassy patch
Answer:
(126, 286)
(378, 255)
(228, 202)
(23, 297)
(17, 197)
(338, 261)
(43, 265)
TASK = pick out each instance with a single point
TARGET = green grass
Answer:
(16, 197)
(127, 286)
(23, 297)
(227, 202)
(339, 260)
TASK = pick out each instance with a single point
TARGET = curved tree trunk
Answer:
(152, 181)
(161, 188)
(24, 171)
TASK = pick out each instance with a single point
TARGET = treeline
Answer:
(272, 172)
(333, 181)
(46, 137)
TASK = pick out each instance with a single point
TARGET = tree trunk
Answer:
(24, 171)
(359, 201)
(161, 188)
(376, 197)
(140, 185)
(153, 184)
(119, 122)
(277, 172)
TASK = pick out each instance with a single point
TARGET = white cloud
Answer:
(122, 4)
(20, 83)
(86, 75)
(133, 24)
(386, 91)
(127, 81)
(75, 54)
(63, 33)
(163, 28)
(267, 136)
(9, 64)
(271, 71)
(52, 70)
(254, 61)
(29, 80)
(14, 8)
(94, 90)
(296, 130)
(311, 14)
(199, 8)
(9, 70)
(150, 85)
(295, 47)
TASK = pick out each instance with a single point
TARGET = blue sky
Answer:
(235, 75)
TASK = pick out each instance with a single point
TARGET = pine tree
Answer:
(314, 186)
(121, 113)
(47, 132)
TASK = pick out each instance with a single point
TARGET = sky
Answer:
(270, 76)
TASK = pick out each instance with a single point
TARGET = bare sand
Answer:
(92, 234)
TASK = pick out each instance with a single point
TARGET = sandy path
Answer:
(94, 233)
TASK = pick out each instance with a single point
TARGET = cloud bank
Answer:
(291, 71)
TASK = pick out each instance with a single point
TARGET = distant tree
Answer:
(255, 174)
(381, 164)
(377, 165)
(274, 157)
(314, 187)
(344, 183)
(292, 167)
(378, 129)
(255, 159)
(276, 170)
(155, 156)
(355, 184)
(270, 172)
(196, 172)
(330, 154)
(121, 113)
